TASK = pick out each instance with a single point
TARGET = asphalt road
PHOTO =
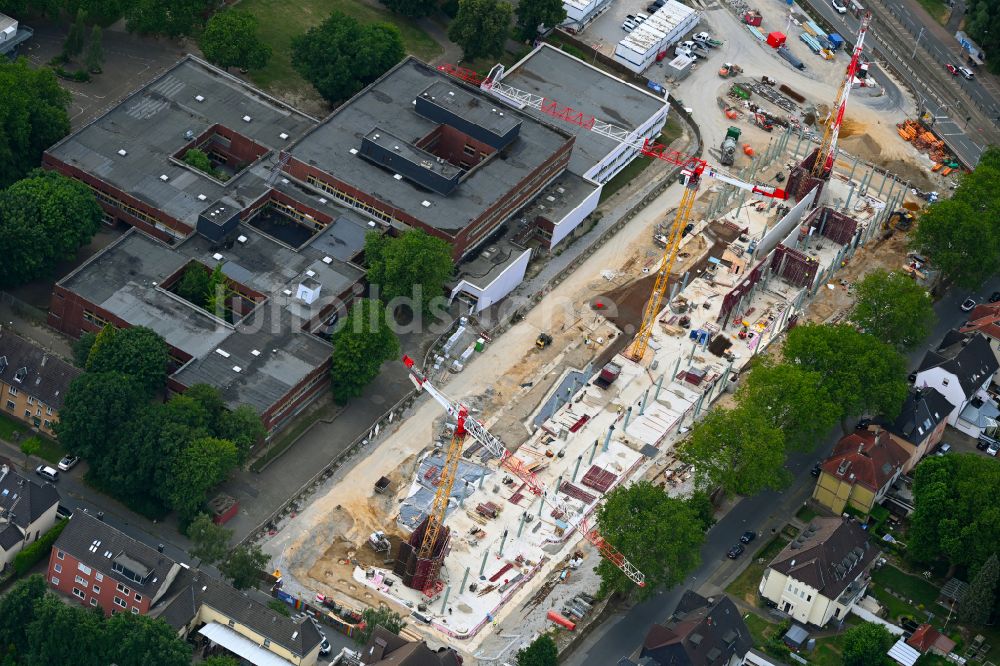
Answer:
(952, 100)
(623, 632)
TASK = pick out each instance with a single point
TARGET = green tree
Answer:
(139, 640)
(541, 652)
(32, 118)
(30, 446)
(980, 599)
(101, 12)
(791, 398)
(737, 450)
(221, 659)
(170, 18)
(210, 542)
(893, 308)
(17, 609)
(73, 46)
(955, 519)
(138, 352)
(411, 8)
(341, 56)
(382, 616)
(230, 40)
(481, 27)
(413, 266)
(534, 13)
(95, 51)
(219, 293)
(44, 219)
(97, 408)
(209, 403)
(279, 607)
(243, 427)
(201, 466)
(867, 644)
(658, 534)
(53, 621)
(195, 283)
(243, 566)
(81, 348)
(198, 158)
(360, 347)
(960, 233)
(862, 374)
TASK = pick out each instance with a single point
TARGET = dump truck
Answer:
(729, 70)
(728, 147)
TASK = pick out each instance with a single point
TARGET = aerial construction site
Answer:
(474, 514)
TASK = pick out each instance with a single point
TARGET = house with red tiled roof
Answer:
(928, 639)
(985, 319)
(860, 471)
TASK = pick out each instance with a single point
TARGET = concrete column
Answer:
(461, 500)
(482, 567)
(684, 280)
(795, 154)
(465, 579)
(576, 469)
(520, 526)
(697, 405)
(642, 405)
(593, 451)
(541, 503)
(503, 541)
(677, 367)
(805, 241)
(444, 601)
(673, 293)
(607, 438)
(628, 415)
(659, 385)
(847, 204)
(725, 378)
(850, 178)
(885, 177)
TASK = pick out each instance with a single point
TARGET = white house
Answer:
(822, 573)
(961, 369)
(27, 511)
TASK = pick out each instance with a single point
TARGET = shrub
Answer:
(34, 553)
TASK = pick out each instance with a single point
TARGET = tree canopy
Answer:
(792, 399)
(364, 342)
(341, 56)
(867, 644)
(230, 40)
(481, 27)
(659, 534)
(534, 13)
(32, 118)
(413, 266)
(541, 652)
(983, 25)
(36, 627)
(210, 542)
(979, 601)
(737, 450)
(961, 234)
(957, 518)
(382, 616)
(170, 18)
(44, 219)
(243, 566)
(199, 467)
(137, 351)
(893, 308)
(411, 8)
(862, 373)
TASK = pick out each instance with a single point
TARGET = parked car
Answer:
(639, 18)
(863, 423)
(68, 463)
(912, 377)
(652, 7)
(968, 304)
(944, 448)
(839, 6)
(993, 449)
(748, 537)
(735, 551)
(982, 444)
(951, 68)
(816, 469)
(629, 25)
(966, 72)
(324, 647)
(47, 473)
(995, 297)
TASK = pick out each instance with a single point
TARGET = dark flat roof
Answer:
(389, 104)
(555, 74)
(151, 124)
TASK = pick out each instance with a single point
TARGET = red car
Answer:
(951, 68)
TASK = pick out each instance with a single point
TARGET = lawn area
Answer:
(50, 450)
(745, 585)
(280, 21)
(938, 9)
(922, 593)
(806, 513)
(8, 428)
(828, 652)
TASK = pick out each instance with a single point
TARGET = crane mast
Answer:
(516, 466)
(828, 148)
(439, 507)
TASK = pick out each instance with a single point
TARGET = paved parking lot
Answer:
(605, 32)
(960, 442)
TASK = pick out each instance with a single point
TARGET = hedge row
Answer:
(34, 553)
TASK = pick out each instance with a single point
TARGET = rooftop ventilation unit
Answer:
(199, 98)
(425, 203)
(217, 256)
(311, 273)
(354, 151)
(202, 197)
(255, 352)
(398, 177)
(323, 200)
(286, 292)
(327, 260)
(371, 223)
(122, 152)
(247, 119)
(164, 177)
(284, 181)
(283, 136)
(222, 352)
(241, 239)
(237, 368)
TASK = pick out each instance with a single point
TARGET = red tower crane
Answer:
(515, 465)
(828, 148)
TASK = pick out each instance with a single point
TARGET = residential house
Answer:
(755, 657)
(239, 623)
(105, 568)
(27, 511)
(385, 648)
(985, 319)
(928, 639)
(961, 369)
(860, 471)
(33, 382)
(822, 573)
(701, 632)
(920, 424)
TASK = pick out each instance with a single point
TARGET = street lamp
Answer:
(921, 34)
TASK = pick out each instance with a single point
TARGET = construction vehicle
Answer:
(899, 220)
(692, 170)
(516, 466)
(378, 542)
(728, 147)
(729, 70)
(823, 165)
(543, 340)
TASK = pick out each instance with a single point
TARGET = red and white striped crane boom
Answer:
(516, 466)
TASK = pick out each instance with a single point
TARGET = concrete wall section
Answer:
(502, 284)
(786, 226)
(572, 220)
